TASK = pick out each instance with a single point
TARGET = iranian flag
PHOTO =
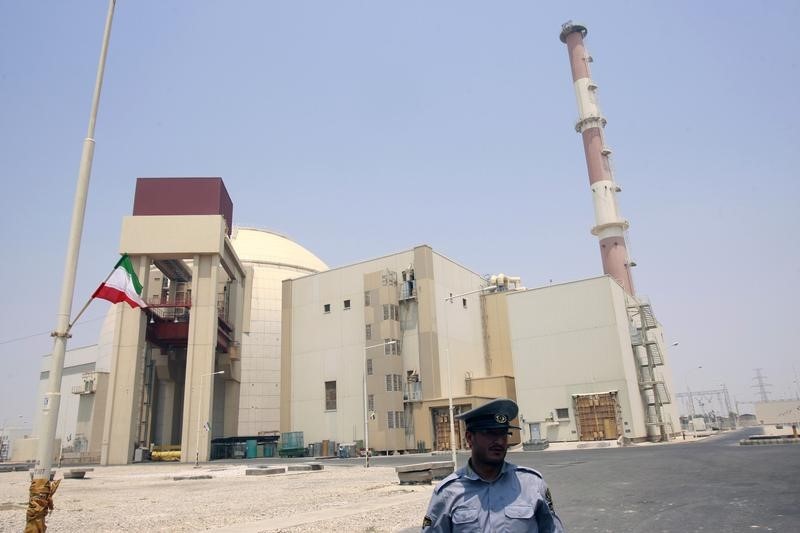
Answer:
(122, 285)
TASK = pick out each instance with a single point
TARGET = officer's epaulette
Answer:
(446, 481)
(529, 470)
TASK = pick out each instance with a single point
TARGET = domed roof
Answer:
(262, 246)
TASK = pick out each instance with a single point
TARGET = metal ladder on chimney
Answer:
(648, 353)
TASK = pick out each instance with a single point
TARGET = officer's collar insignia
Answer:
(500, 418)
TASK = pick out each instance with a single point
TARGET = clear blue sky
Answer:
(459, 114)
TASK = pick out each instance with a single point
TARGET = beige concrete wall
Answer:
(76, 362)
(200, 358)
(287, 324)
(460, 329)
(778, 412)
(330, 346)
(497, 337)
(494, 387)
(173, 237)
(572, 339)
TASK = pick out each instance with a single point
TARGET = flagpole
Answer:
(89, 301)
(42, 489)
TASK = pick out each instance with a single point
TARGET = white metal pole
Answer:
(199, 419)
(450, 403)
(366, 412)
(450, 375)
(52, 399)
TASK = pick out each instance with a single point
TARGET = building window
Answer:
(330, 395)
(368, 331)
(326, 308)
(390, 349)
(369, 367)
(346, 305)
(464, 302)
(366, 299)
(371, 402)
(390, 419)
(562, 413)
(387, 348)
(400, 419)
(391, 312)
(394, 382)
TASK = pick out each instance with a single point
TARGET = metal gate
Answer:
(597, 416)
(441, 428)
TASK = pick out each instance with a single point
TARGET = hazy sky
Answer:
(457, 114)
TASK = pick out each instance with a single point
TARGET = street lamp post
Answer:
(366, 410)
(199, 425)
(450, 377)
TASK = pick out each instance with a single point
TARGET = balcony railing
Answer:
(412, 392)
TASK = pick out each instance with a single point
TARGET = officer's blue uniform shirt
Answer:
(517, 500)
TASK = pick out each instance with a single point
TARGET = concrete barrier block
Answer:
(266, 471)
(184, 478)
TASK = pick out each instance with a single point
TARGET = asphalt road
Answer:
(712, 485)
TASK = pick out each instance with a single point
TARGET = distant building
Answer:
(778, 412)
(387, 317)
(585, 360)
(248, 334)
(589, 361)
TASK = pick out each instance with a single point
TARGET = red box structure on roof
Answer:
(183, 196)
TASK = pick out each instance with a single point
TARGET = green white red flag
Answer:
(122, 285)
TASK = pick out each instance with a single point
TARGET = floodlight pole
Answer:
(366, 411)
(199, 419)
(450, 376)
(41, 491)
(52, 400)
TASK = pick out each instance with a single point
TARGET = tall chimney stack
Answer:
(609, 226)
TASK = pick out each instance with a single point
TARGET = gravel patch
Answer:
(146, 498)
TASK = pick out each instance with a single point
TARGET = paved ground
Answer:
(709, 485)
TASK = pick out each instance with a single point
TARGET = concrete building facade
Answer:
(385, 322)
(582, 373)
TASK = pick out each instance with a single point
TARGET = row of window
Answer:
(395, 419)
(326, 308)
(394, 382)
(391, 312)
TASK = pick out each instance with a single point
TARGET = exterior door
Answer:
(597, 416)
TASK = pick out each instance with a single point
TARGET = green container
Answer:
(292, 440)
(251, 448)
(269, 449)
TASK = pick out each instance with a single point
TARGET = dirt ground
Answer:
(147, 498)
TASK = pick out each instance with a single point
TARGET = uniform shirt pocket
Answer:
(465, 514)
(523, 512)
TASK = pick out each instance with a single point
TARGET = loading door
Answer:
(597, 416)
(441, 428)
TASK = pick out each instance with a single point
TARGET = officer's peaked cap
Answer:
(496, 414)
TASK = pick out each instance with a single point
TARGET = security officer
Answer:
(489, 494)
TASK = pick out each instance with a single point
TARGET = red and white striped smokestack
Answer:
(609, 226)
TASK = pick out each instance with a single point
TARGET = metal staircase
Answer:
(649, 355)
